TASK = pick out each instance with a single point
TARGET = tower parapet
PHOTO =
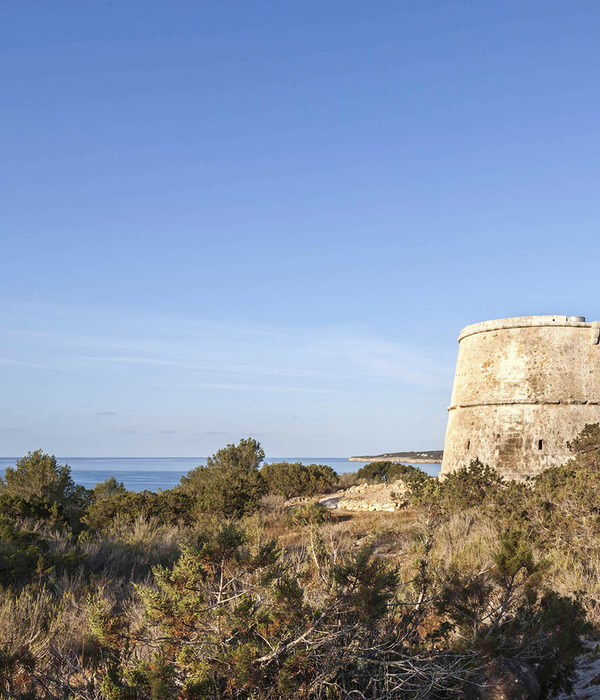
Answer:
(524, 387)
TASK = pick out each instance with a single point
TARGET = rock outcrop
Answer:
(368, 497)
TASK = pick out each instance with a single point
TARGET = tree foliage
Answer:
(108, 489)
(164, 507)
(463, 488)
(230, 483)
(39, 477)
(294, 479)
(388, 472)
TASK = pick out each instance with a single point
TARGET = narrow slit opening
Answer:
(468, 444)
(540, 444)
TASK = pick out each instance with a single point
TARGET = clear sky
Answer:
(223, 219)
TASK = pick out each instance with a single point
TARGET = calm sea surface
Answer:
(154, 473)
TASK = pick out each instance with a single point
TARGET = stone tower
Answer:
(523, 388)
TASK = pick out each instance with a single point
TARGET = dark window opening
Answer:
(468, 444)
(540, 443)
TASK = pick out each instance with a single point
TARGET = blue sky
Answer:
(273, 218)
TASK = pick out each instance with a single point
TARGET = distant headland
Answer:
(421, 457)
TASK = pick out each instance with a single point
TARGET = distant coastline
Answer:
(421, 457)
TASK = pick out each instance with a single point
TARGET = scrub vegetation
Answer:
(218, 589)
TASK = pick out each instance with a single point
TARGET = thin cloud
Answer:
(21, 363)
(106, 413)
(245, 387)
(228, 356)
(222, 368)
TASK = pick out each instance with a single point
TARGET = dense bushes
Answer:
(388, 472)
(27, 550)
(241, 620)
(108, 488)
(166, 596)
(165, 507)
(230, 483)
(292, 479)
(38, 477)
(12, 507)
(464, 488)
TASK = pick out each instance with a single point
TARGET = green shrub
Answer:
(165, 507)
(466, 487)
(38, 476)
(27, 555)
(108, 488)
(230, 483)
(294, 479)
(17, 507)
(388, 472)
(239, 622)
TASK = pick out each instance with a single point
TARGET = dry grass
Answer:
(128, 551)
(467, 541)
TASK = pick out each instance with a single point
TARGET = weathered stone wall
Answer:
(523, 388)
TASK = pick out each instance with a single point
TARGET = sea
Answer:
(161, 473)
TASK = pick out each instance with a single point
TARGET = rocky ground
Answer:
(587, 681)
